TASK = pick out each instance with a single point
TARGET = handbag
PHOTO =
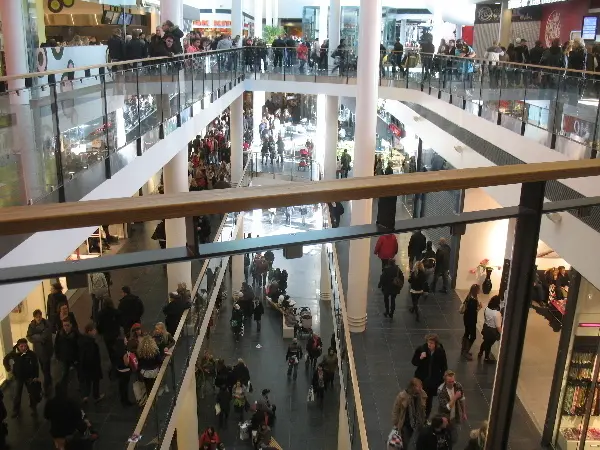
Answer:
(397, 281)
(139, 392)
(217, 409)
(463, 306)
(394, 440)
(311, 395)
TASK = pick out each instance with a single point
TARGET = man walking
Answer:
(39, 333)
(442, 265)
(22, 363)
(293, 357)
(452, 404)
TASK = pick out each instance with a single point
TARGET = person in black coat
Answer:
(314, 349)
(390, 283)
(416, 245)
(90, 366)
(174, 310)
(442, 265)
(23, 364)
(131, 309)
(109, 327)
(66, 350)
(258, 312)
(336, 210)
(39, 333)
(136, 48)
(170, 29)
(56, 298)
(469, 310)
(431, 363)
(116, 46)
(240, 373)
(64, 415)
(435, 436)
(224, 401)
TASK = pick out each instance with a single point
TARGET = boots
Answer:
(464, 351)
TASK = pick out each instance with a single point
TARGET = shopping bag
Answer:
(217, 409)
(394, 441)
(311, 395)
(139, 392)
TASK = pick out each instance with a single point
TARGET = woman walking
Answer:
(391, 282)
(469, 308)
(408, 414)
(492, 328)
(149, 360)
(418, 284)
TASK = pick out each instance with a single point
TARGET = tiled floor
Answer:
(383, 356)
(299, 425)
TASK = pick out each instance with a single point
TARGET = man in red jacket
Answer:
(386, 248)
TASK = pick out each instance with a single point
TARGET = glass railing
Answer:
(99, 122)
(357, 433)
(293, 167)
(160, 402)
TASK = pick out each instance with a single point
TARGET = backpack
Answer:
(345, 160)
(429, 263)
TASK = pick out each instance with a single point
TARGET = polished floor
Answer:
(383, 355)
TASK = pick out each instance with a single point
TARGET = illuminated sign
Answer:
(512, 4)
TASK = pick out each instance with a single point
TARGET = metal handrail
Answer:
(151, 396)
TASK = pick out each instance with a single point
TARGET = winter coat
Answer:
(294, 350)
(553, 57)
(258, 311)
(173, 312)
(577, 59)
(90, 366)
(66, 346)
(57, 325)
(470, 314)
(417, 244)
(54, 302)
(386, 280)
(24, 366)
(40, 335)
(442, 258)
(431, 373)
(535, 54)
(64, 416)
(314, 347)
(131, 308)
(224, 400)
(401, 406)
(109, 323)
(240, 373)
(386, 246)
(444, 399)
(418, 281)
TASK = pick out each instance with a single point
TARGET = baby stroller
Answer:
(304, 159)
(303, 328)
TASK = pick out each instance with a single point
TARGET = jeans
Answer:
(65, 368)
(387, 299)
(277, 58)
(415, 296)
(47, 373)
(258, 325)
(18, 393)
(90, 384)
(96, 307)
(123, 378)
(470, 332)
(293, 367)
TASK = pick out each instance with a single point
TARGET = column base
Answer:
(357, 324)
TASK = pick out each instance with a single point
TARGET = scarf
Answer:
(416, 415)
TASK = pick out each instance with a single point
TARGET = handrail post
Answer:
(106, 150)
(60, 180)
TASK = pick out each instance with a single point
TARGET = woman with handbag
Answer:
(418, 284)
(390, 283)
(469, 308)
(492, 328)
(149, 361)
(239, 399)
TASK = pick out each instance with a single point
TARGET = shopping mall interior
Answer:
(269, 242)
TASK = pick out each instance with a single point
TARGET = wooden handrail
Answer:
(31, 219)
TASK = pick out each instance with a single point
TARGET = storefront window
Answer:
(580, 406)
(349, 30)
(310, 22)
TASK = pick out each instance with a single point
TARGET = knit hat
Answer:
(136, 326)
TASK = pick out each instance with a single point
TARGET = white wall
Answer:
(486, 240)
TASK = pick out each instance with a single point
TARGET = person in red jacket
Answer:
(386, 248)
(210, 440)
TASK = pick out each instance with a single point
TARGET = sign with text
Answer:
(512, 4)
(487, 14)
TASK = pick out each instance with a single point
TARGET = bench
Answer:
(288, 332)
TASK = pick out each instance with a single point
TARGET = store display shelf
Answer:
(570, 441)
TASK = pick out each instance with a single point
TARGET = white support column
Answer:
(343, 428)
(15, 47)
(331, 136)
(269, 12)
(237, 137)
(258, 101)
(403, 31)
(237, 19)
(325, 288)
(258, 17)
(320, 144)
(237, 263)
(323, 20)
(505, 24)
(335, 12)
(364, 137)
(275, 13)
(175, 174)
(172, 10)
(187, 418)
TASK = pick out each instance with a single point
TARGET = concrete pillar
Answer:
(343, 428)
(257, 106)
(269, 12)
(237, 263)
(275, 13)
(323, 20)
(175, 175)
(335, 12)
(237, 19)
(320, 144)
(187, 419)
(258, 17)
(505, 24)
(331, 136)
(171, 10)
(237, 139)
(325, 289)
(15, 47)
(459, 31)
(364, 137)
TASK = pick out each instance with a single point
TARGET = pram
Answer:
(303, 328)
(304, 159)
